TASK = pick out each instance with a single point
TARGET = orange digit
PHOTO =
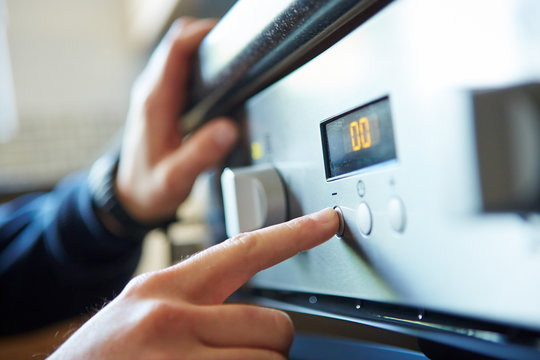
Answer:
(365, 133)
(355, 136)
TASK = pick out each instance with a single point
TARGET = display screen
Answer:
(359, 138)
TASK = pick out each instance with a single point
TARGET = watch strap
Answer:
(101, 181)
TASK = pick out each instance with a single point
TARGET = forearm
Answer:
(58, 260)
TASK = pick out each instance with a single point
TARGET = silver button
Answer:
(341, 228)
(364, 219)
(397, 214)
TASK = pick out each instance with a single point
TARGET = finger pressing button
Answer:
(341, 228)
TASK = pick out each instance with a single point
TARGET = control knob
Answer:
(253, 197)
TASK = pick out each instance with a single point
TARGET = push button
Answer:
(341, 228)
(396, 214)
(364, 219)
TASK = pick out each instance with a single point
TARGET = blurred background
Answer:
(73, 63)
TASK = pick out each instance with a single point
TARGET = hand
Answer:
(157, 167)
(177, 313)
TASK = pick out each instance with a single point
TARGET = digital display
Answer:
(359, 138)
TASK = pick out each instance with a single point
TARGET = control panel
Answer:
(404, 127)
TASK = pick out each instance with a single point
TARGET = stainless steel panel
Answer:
(428, 58)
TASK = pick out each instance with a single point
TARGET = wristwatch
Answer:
(101, 181)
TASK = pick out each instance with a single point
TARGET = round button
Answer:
(341, 228)
(396, 214)
(364, 219)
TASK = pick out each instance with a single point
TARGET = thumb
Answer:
(202, 150)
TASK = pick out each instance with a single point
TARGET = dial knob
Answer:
(253, 197)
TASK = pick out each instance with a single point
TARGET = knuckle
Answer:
(251, 314)
(138, 285)
(162, 314)
(246, 241)
(149, 107)
(169, 180)
(303, 225)
(301, 222)
(165, 317)
(174, 180)
(146, 285)
(151, 319)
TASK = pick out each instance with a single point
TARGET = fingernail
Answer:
(226, 134)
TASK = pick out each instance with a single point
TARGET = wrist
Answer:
(108, 207)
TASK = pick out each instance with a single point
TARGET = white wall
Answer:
(73, 67)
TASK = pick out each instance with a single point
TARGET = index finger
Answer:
(214, 274)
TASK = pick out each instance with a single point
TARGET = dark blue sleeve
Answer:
(56, 258)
